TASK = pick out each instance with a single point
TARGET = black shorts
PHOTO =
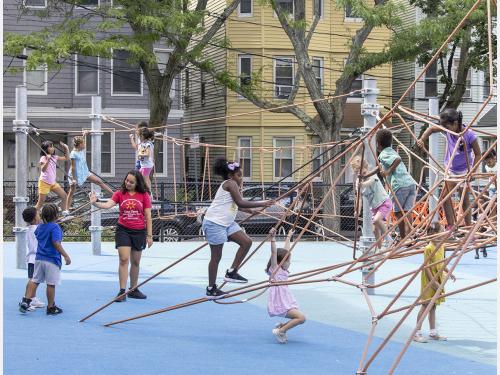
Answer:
(134, 238)
(31, 269)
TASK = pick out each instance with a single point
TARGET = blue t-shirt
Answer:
(46, 234)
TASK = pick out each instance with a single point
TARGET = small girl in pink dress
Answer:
(281, 301)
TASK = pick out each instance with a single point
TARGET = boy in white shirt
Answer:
(31, 217)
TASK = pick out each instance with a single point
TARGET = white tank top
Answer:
(223, 210)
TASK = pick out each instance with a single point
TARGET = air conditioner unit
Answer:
(283, 92)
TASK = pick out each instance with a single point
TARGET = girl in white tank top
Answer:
(219, 225)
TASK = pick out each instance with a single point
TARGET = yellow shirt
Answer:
(438, 256)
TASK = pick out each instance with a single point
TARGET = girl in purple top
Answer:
(281, 301)
(462, 156)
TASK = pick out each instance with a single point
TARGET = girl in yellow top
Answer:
(427, 275)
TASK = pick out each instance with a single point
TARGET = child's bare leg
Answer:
(41, 201)
(401, 224)
(245, 243)
(213, 265)
(432, 317)
(420, 313)
(51, 295)
(95, 180)
(147, 180)
(465, 207)
(31, 289)
(296, 318)
(124, 255)
(379, 226)
(135, 260)
(448, 205)
(64, 197)
(69, 201)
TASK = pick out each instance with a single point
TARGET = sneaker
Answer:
(31, 308)
(137, 294)
(35, 302)
(485, 253)
(65, 213)
(214, 292)
(280, 337)
(54, 310)
(436, 337)
(419, 338)
(279, 325)
(24, 305)
(234, 277)
(122, 298)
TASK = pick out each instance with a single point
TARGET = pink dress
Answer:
(281, 300)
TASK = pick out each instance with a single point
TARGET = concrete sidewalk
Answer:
(468, 319)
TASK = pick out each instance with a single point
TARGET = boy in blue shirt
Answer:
(47, 261)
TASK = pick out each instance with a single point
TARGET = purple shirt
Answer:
(49, 176)
(459, 161)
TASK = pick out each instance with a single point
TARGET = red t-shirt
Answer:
(132, 208)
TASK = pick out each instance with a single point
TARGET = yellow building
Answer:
(259, 47)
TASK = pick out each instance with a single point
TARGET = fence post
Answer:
(96, 134)
(20, 128)
(433, 150)
(369, 111)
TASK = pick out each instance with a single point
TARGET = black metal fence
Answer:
(178, 209)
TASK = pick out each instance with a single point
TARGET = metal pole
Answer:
(96, 133)
(433, 150)
(20, 128)
(369, 111)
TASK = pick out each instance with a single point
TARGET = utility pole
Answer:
(96, 134)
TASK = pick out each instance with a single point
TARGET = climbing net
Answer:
(459, 239)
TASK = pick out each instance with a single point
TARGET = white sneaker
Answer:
(31, 308)
(280, 337)
(419, 338)
(35, 302)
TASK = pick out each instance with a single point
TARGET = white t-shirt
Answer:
(31, 244)
(146, 162)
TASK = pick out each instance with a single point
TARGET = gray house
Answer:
(60, 103)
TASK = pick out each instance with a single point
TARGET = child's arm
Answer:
(452, 276)
(84, 137)
(431, 129)
(477, 153)
(234, 190)
(65, 255)
(132, 141)
(149, 226)
(391, 169)
(288, 239)
(274, 250)
(373, 172)
(429, 275)
(66, 152)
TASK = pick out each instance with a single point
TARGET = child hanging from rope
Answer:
(79, 171)
(462, 158)
(47, 181)
(281, 301)
(431, 256)
(135, 141)
(373, 190)
(402, 184)
(219, 224)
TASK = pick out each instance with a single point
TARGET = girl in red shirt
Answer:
(134, 229)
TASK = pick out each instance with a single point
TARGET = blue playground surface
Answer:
(210, 338)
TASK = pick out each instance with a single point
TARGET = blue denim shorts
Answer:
(218, 234)
(406, 198)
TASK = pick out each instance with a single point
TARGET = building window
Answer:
(349, 15)
(318, 8)
(11, 153)
(162, 56)
(127, 76)
(467, 93)
(486, 86)
(161, 152)
(430, 81)
(35, 3)
(202, 89)
(88, 3)
(285, 6)
(317, 66)
(245, 8)
(283, 157)
(283, 73)
(35, 80)
(107, 152)
(245, 70)
(87, 75)
(245, 156)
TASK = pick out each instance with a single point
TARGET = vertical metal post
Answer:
(369, 111)
(433, 150)
(96, 134)
(20, 128)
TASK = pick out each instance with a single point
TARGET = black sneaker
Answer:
(234, 277)
(24, 304)
(213, 292)
(137, 294)
(54, 310)
(123, 298)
